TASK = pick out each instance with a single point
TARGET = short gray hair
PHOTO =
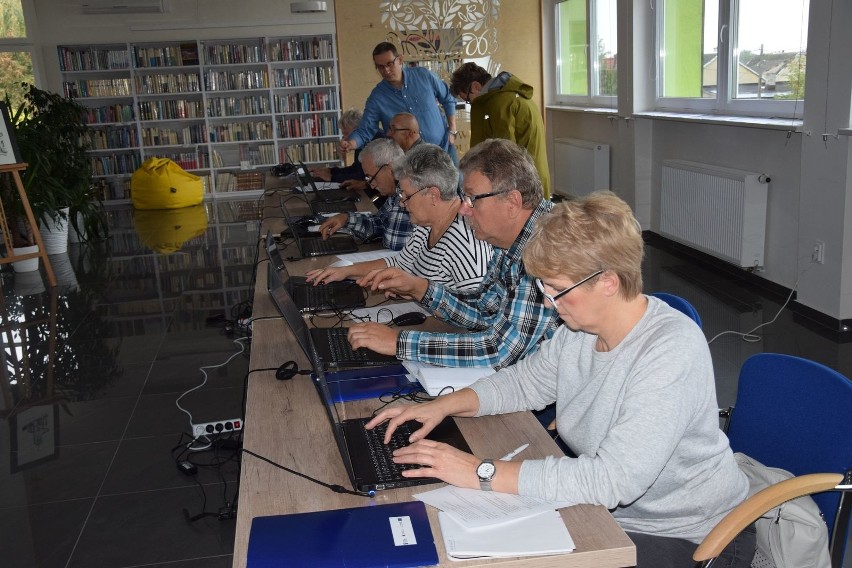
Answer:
(427, 165)
(507, 166)
(350, 118)
(382, 151)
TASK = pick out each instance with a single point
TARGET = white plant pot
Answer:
(66, 279)
(73, 237)
(27, 265)
(54, 233)
(28, 283)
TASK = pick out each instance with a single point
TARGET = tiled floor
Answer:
(89, 478)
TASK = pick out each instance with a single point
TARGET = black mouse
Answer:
(410, 318)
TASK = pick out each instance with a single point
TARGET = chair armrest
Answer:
(837, 542)
(752, 508)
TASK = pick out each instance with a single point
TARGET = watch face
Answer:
(485, 470)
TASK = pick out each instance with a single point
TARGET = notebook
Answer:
(395, 535)
(368, 461)
(339, 356)
(314, 245)
(322, 193)
(307, 297)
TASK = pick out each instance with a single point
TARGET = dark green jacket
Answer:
(504, 109)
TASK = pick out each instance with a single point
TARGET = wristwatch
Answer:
(485, 471)
(454, 132)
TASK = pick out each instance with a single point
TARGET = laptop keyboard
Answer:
(341, 349)
(382, 455)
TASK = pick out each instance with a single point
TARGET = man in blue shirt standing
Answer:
(415, 90)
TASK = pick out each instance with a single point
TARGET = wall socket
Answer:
(218, 427)
(818, 252)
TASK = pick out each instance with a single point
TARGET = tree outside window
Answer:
(16, 62)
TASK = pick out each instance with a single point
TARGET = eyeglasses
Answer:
(555, 297)
(465, 96)
(403, 199)
(393, 129)
(369, 179)
(470, 200)
(387, 66)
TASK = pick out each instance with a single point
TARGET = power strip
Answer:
(218, 427)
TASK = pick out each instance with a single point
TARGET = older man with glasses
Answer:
(405, 130)
(506, 315)
(391, 222)
(406, 89)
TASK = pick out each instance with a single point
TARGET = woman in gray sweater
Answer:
(634, 389)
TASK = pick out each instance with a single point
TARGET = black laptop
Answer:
(333, 349)
(320, 191)
(312, 244)
(307, 297)
(310, 194)
(368, 461)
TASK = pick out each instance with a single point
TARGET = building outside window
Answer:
(737, 57)
(586, 36)
(16, 60)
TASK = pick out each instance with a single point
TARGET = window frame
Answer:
(592, 59)
(26, 43)
(724, 103)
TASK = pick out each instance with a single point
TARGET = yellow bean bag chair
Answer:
(159, 183)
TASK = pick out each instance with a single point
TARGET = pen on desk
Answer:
(514, 452)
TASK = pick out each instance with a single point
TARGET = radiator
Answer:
(716, 210)
(580, 166)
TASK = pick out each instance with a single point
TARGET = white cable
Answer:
(238, 341)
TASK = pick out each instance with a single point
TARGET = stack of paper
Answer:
(478, 524)
(436, 380)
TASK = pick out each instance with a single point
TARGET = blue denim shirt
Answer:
(420, 95)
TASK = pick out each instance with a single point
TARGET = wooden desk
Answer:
(286, 422)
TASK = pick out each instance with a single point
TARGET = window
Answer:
(16, 61)
(586, 51)
(741, 57)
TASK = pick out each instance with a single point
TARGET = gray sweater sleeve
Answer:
(642, 418)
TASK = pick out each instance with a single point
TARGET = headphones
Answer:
(289, 370)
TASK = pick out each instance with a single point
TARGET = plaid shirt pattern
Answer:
(391, 222)
(506, 315)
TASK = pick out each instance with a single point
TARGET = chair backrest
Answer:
(794, 413)
(680, 305)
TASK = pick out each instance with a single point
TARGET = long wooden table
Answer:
(286, 422)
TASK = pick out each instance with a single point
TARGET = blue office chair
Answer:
(794, 413)
(680, 305)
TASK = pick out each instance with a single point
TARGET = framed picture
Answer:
(35, 436)
(9, 153)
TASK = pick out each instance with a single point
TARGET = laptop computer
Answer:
(332, 346)
(368, 460)
(307, 297)
(322, 193)
(313, 244)
(319, 206)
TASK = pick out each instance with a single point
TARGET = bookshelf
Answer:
(218, 108)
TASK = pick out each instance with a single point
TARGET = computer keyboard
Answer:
(341, 349)
(381, 454)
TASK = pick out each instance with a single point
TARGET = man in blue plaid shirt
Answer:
(391, 222)
(507, 316)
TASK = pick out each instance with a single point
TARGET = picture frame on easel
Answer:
(9, 153)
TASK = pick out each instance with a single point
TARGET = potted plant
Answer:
(53, 140)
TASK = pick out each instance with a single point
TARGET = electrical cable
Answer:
(332, 486)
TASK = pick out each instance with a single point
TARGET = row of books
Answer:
(116, 164)
(260, 155)
(233, 53)
(235, 80)
(238, 106)
(165, 83)
(309, 101)
(113, 137)
(303, 77)
(309, 152)
(241, 181)
(166, 56)
(308, 126)
(92, 59)
(190, 161)
(171, 109)
(118, 112)
(113, 87)
(108, 189)
(242, 131)
(302, 49)
(191, 134)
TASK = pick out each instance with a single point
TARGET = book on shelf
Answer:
(246, 181)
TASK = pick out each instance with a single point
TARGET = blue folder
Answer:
(396, 535)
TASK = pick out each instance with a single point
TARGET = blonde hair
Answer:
(579, 237)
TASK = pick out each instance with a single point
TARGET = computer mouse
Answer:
(410, 318)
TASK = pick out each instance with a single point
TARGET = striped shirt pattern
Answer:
(507, 316)
(391, 222)
(458, 260)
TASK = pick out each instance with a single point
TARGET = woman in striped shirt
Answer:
(441, 248)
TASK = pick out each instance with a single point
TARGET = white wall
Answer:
(810, 196)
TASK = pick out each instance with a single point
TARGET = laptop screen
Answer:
(290, 311)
